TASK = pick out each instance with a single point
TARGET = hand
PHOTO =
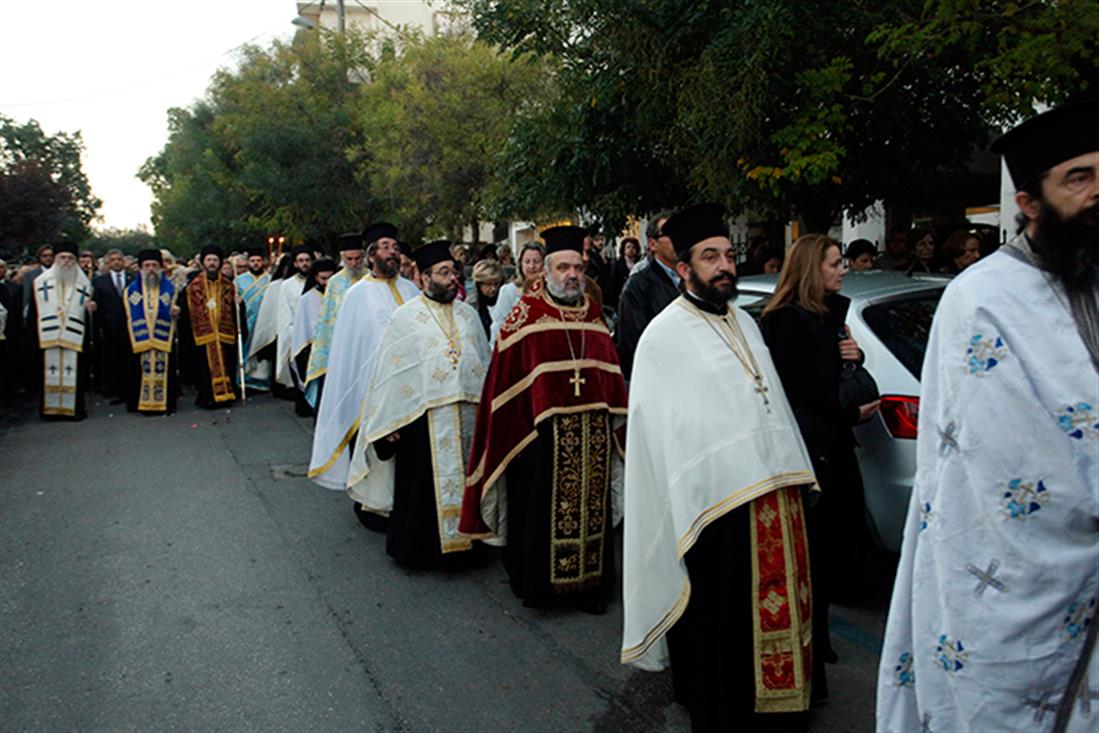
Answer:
(392, 437)
(867, 411)
(849, 348)
(175, 310)
(90, 306)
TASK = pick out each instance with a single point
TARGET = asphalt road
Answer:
(179, 574)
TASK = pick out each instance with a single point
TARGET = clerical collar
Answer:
(705, 306)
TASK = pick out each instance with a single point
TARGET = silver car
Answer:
(890, 317)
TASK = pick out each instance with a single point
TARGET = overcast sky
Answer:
(112, 71)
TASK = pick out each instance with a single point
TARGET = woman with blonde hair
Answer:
(487, 276)
(804, 327)
(531, 261)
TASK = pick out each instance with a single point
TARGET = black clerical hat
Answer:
(69, 247)
(150, 255)
(559, 239)
(688, 227)
(211, 249)
(406, 248)
(256, 252)
(431, 254)
(349, 241)
(301, 249)
(1038, 144)
(377, 230)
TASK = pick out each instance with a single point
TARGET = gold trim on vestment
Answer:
(548, 367)
(578, 499)
(479, 471)
(153, 390)
(314, 472)
(703, 520)
(523, 332)
(457, 543)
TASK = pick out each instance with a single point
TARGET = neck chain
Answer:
(453, 338)
(576, 381)
(734, 339)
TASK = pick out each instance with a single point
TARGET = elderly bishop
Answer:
(59, 308)
(547, 438)
(409, 459)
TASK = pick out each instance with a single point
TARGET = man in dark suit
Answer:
(112, 340)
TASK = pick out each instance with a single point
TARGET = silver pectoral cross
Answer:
(762, 390)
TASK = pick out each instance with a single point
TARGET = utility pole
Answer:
(341, 22)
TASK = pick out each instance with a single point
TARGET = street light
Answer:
(305, 23)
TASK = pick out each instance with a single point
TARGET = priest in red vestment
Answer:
(547, 444)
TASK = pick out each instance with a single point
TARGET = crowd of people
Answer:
(469, 400)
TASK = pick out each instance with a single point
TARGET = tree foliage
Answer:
(44, 193)
(803, 107)
(128, 241)
(434, 119)
(265, 151)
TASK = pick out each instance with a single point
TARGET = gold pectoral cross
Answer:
(576, 381)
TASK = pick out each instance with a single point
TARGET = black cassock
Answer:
(193, 367)
(532, 514)
(711, 646)
(301, 407)
(412, 532)
(83, 369)
(133, 384)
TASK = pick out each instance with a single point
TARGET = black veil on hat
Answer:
(377, 230)
(300, 249)
(432, 254)
(691, 225)
(1042, 142)
(566, 237)
(211, 249)
(150, 255)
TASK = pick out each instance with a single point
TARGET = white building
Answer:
(428, 16)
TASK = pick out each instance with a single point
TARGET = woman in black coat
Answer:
(804, 327)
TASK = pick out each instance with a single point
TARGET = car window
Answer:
(903, 325)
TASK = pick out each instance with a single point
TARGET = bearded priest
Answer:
(152, 385)
(349, 248)
(60, 310)
(409, 458)
(208, 322)
(364, 313)
(305, 325)
(252, 286)
(715, 572)
(547, 439)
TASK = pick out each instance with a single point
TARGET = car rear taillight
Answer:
(901, 415)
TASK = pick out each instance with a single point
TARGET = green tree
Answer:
(129, 241)
(802, 107)
(44, 193)
(434, 119)
(266, 150)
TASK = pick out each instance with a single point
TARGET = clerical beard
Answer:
(1068, 247)
(388, 267)
(441, 292)
(66, 275)
(718, 291)
(152, 280)
(569, 292)
(357, 272)
(213, 274)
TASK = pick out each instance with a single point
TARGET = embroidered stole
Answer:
(581, 475)
(782, 609)
(144, 308)
(450, 430)
(61, 337)
(212, 310)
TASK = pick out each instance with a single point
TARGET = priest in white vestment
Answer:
(289, 294)
(362, 319)
(305, 324)
(60, 307)
(350, 250)
(409, 459)
(715, 567)
(995, 599)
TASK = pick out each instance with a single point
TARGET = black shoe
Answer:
(117, 400)
(594, 606)
(370, 520)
